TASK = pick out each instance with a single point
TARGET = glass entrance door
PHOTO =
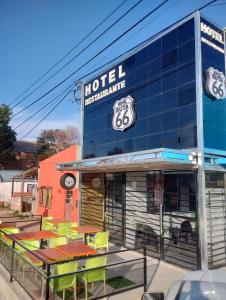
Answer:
(179, 219)
(115, 207)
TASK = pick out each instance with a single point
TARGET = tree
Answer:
(7, 139)
(52, 141)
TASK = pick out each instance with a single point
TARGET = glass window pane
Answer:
(141, 75)
(169, 81)
(129, 64)
(187, 115)
(186, 94)
(141, 93)
(186, 52)
(154, 88)
(154, 105)
(141, 109)
(169, 60)
(154, 50)
(154, 69)
(155, 124)
(141, 127)
(141, 143)
(154, 141)
(169, 100)
(186, 74)
(187, 137)
(141, 58)
(186, 31)
(169, 41)
(170, 120)
(170, 139)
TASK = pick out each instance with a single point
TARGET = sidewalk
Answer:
(10, 291)
(165, 274)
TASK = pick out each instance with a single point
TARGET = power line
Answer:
(80, 52)
(70, 85)
(69, 52)
(46, 115)
(129, 50)
(100, 52)
(43, 107)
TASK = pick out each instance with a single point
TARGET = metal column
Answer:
(202, 215)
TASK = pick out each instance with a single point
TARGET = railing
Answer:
(216, 228)
(125, 270)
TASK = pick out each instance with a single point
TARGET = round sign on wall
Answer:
(67, 181)
(96, 182)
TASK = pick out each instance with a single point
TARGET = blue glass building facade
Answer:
(161, 79)
(154, 146)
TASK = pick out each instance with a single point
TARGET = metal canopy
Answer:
(145, 160)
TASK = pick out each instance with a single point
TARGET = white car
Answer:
(198, 285)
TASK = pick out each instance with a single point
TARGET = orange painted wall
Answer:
(50, 177)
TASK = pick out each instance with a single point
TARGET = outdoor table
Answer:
(60, 253)
(35, 235)
(6, 226)
(58, 221)
(47, 256)
(76, 250)
(87, 230)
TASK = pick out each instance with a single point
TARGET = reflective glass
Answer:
(170, 120)
(169, 60)
(155, 124)
(169, 100)
(186, 32)
(154, 50)
(187, 115)
(186, 94)
(186, 74)
(169, 41)
(161, 80)
(214, 111)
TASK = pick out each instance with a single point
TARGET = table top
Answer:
(87, 229)
(58, 221)
(47, 255)
(35, 235)
(6, 226)
(76, 250)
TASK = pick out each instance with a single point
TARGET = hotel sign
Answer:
(212, 37)
(104, 85)
(215, 83)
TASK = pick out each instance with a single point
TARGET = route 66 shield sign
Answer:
(124, 113)
(215, 83)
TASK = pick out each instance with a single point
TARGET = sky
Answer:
(35, 34)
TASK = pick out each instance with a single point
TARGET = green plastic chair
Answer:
(46, 225)
(62, 229)
(30, 245)
(96, 275)
(72, 224)
(65, 282)
(75, 235)
(99, 241)
(57, 241)
(6, 240)
(9, 231)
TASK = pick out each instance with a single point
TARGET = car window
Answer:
(201, 290)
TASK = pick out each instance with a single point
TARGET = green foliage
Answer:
(7, 139)
(53, 141)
